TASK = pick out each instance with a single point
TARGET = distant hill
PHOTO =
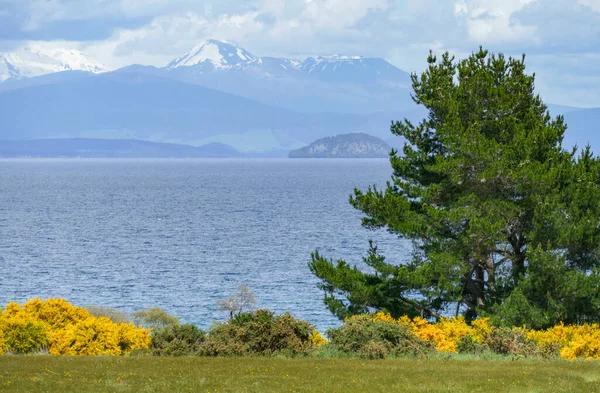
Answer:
(56, 77)
(147, 107)
(357, 145)
(111, 148)
(137, 104)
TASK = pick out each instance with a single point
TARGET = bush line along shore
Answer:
(57, 327)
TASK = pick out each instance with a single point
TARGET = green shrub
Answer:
(23, 337)
(154, 318)
(261, 317)
(259, 333)
(177, 340)
(506, 341)
(367, 337)
(468, 345)
(374, 350)
(550, 350)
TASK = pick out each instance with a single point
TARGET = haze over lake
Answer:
(181, 234)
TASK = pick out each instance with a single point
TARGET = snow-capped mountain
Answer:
(35, 60)
(342, 84)
(347, 84)
(214, 55)
(224, 57)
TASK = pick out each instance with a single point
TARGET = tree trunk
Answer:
(491, 273)
(480, 285)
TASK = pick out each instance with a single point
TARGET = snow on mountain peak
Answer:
(218, 54)
(340, 58)
(332, 63)
(35, 60)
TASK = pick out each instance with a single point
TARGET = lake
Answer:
(181, 234)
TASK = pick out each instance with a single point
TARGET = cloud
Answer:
(38, 19)
(269, 27)
(336, 15)
(49, 20)
(563, 26)
(490, 21)
(592, 4)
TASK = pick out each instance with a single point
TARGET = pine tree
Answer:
(504, 220)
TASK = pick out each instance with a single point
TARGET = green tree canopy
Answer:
(504, 221)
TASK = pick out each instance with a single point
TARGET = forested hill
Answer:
(357, 145)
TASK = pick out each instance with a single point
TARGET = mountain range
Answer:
(344, 84)
(215, 93)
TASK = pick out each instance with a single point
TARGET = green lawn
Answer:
(153, 374)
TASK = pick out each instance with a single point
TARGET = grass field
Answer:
(153, 374)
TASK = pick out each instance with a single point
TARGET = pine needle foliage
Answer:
(504, 221)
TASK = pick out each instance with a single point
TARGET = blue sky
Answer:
(560, 37)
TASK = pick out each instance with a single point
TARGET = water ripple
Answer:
(181, 234)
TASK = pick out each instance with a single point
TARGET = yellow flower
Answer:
(67, 329)
(317, 339)
(576, 341)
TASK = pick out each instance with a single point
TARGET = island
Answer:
(355, 145)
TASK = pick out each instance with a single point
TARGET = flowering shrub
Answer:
(56, 326)
(573, 342)
(1, 333)
(317, 339)
(64, 329)
(23, 336)
(445, 334)
(481, 329)
(570, 342)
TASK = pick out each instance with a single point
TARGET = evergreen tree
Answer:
(504, 221)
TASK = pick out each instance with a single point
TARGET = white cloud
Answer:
(490, 21)
(593, 4)
(295, 26)
(338, 14)
(460, 8)
(42, 11)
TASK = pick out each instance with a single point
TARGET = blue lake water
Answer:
(181, 234)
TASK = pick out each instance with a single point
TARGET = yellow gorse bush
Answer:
(1, 332)
(64, 329)
(481, 327)
(573, 342)
(317, 339)
(445, 334)
(581, 341)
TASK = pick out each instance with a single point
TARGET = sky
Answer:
(561, 38)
